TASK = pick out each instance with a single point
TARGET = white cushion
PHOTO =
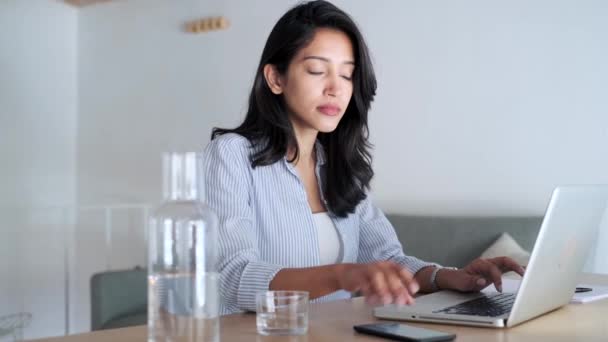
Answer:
(505, 245)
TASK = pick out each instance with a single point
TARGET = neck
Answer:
(306, 146)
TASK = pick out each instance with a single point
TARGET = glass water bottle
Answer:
(183, 295)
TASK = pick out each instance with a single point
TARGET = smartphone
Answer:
(403, 332)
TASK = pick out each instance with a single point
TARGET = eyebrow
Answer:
(325, 59)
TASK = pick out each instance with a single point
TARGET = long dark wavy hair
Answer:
(348, 170)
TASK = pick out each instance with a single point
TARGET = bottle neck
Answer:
(182, 176)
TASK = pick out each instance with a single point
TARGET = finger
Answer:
(465, 281)
(507, 264)
(478, 283)
(486, 270)
(401, 292)
(473, 282)
(377, 281)
(401, 299)
(407, 279)
(392, 283)
(395, 282)
(395, 285)
(410, 284)
(494, 273)
(405, 299)
(372, 300)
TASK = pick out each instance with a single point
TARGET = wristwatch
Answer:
(434, 286)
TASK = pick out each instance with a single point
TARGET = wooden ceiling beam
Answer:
(82, 3)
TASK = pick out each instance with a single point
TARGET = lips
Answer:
(331, 110)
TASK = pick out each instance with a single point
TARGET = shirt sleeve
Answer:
(378, 240)
(227, 185)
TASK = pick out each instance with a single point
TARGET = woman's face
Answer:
(317, 85)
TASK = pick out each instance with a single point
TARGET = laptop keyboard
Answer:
(491, 305)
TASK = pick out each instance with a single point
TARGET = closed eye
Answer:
(315, 72)
(348, 78)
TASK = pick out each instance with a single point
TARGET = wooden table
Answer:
(333, 322)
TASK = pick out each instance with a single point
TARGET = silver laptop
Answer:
(568, 230)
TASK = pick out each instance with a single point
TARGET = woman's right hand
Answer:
(382, 282)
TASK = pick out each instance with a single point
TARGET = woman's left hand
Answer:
(478, 274)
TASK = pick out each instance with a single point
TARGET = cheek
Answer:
(351, 88)
(348, 89)
(348, 96)
(297, 102)
(301, 94)
(309, 87)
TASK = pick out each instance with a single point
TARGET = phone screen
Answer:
(407, 331)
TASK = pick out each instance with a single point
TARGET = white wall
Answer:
(482, 107)
(147, 87)
(485, 106)
(38, 99)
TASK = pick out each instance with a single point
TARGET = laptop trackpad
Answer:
(442, 299)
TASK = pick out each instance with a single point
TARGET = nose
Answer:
(333, 86)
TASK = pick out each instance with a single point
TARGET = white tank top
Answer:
(330, 247)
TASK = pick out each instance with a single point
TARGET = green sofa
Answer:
(119, 299)
(454, 241)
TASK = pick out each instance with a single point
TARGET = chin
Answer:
(327, 128)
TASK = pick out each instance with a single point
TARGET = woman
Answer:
(290, 183)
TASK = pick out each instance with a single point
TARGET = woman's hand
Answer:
(478, 274)
(382, 282)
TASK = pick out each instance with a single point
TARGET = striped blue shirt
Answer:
(266, 224)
